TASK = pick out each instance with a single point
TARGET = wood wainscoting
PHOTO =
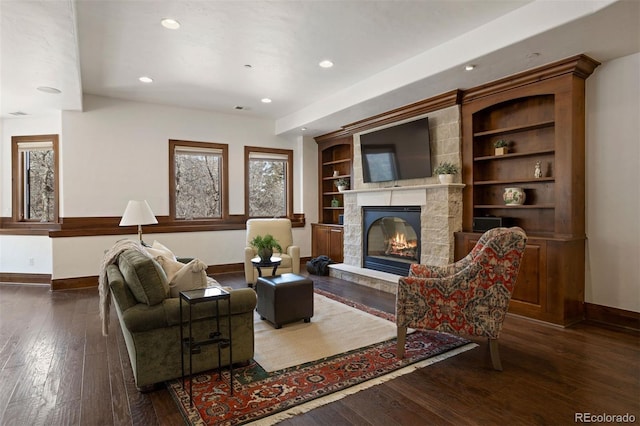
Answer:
(74, 283)
(612, 316)
(10, 277)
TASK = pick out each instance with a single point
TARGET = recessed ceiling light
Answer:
(238, 107)
(266, 100)
(170, 24)
(469, 67)
(326, 63)
(51, 90)
(146, 79)
(248, 66)
(303, 129)
(18, 113)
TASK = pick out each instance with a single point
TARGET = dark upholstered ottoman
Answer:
(285, 298)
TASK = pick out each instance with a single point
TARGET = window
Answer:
(268, 182)
(198, 180)
(35, 178)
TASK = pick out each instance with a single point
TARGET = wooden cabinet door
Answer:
(319, 240)
(336, 242)
(327, 240)
(530, 293)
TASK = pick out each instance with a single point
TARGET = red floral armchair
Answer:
(469, 297)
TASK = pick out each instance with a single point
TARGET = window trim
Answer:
(224, 184)
(17, 193)
(288, 177)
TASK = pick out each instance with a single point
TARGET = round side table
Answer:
(274, 262)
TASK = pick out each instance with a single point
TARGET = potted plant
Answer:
(501, 146)
(342, 184)
(445, 171)
(265, 246)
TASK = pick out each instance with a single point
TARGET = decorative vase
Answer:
(342, 188)
(514, 196)
(335, 202)
(445, 178)
(265, 254)
(502, 150)
(335, 173)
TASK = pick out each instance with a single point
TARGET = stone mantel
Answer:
(397, 195)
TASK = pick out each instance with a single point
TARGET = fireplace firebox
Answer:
(391, 240)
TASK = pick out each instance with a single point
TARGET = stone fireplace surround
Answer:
(440, 204)
(440, 216)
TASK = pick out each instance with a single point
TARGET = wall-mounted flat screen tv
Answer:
(397, 152)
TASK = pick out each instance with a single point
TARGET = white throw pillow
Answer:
(191, 276)
(170, 267)
(158, 249)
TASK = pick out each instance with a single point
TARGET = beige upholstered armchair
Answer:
(281, 231)
(468, 297)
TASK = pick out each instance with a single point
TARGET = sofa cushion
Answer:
(142, 317)
(158, 249)
(191, 276)
(144, 276)
(170, 267)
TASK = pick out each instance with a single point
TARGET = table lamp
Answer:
(138, 213)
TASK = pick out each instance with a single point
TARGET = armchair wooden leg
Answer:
(495, 354)
(402, 338)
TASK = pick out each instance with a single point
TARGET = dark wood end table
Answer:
(274, 262)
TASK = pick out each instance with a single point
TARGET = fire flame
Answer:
(400, 245)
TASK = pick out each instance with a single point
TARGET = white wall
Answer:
(115, 151)
(22, 126)
(23, 254)
(613, 185)
(81, 256)
(308, 149)
(129, 142)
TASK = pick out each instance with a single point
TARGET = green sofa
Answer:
(151, 330)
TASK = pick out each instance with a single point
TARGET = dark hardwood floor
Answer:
(57, 369)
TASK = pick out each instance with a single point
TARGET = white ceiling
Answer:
(386, 53)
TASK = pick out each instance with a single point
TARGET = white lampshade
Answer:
(138, 213)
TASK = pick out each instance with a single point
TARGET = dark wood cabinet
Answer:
(550, 285)
(542, 115)
(327, 240)
(335, 159)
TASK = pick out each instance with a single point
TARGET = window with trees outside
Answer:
(35, 178)
(198, 180)
(268, 182)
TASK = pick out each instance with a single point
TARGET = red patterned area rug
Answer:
(271, 397)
